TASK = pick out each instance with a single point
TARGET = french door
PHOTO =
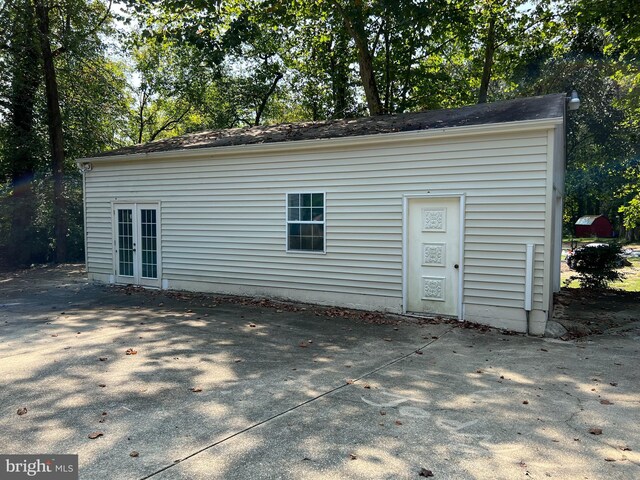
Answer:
(136, 243)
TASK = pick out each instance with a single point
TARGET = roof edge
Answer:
(337, 142)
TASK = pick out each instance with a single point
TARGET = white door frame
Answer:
(135, 205)
(405, 243)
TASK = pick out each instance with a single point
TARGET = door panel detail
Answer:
(434, 220)
(433, 288)
(434, 254)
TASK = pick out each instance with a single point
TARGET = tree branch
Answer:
(169, 124)
(265, 99)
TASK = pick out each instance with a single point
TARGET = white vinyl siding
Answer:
(222, 218)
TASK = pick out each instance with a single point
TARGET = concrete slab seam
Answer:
(295, 407)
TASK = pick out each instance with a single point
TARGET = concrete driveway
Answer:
(286, 391)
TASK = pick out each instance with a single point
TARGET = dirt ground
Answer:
(585, 312)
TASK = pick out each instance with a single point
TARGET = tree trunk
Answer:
(54, 120)
(21, 249)
(489, 50)
(339, 76)
(365, 60)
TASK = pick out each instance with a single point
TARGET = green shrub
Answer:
(597, 265)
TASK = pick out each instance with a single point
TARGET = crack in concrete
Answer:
(592, 438)
(295, 407)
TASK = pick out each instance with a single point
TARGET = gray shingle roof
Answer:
(520, 109)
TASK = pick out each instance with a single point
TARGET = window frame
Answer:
(306, 222)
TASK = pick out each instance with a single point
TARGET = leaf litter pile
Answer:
(360, 316)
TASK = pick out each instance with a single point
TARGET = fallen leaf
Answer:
(22, 411)
(604, 401)
(387, 339)
(252, 325)
(526, 402)
(196, 389)
(425, 473)
(614, 384)
(366, 385)
(102, 385)
(418, 352)
(54, 335)
(501, 377)
(478, 371)
(595, 431)
(350, 381)
(352, 456)
(134, 454)
(398, 422)
(237, 360)
(131, 351)
(95, 435)
(625, 449)
(609, 459)
(544, 349)
(103, 359)
(382, 412)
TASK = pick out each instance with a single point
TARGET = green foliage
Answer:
(94, 103)
(170, 67)
(597, 265)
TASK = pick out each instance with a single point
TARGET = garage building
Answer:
(450, 212)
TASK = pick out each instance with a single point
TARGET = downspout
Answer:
(528, 283)
(84, 168)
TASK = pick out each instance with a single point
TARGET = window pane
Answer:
(318, 244)
(294, 242)
(306, 199)
(317, 214)
(294, 200)
(294, 214)
(318, 200)
(306, 243)
(306, 229)
(294, 229)
(305, 214)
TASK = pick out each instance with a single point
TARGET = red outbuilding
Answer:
(594, 226)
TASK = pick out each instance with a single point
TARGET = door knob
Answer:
(456, 266)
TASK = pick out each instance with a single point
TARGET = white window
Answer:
(305, 222)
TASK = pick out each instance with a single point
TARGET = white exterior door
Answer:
(136, 245)
(433, 255)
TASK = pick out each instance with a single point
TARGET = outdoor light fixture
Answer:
(574, 101)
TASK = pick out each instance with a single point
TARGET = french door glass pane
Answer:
(149, 240)
(125, 242)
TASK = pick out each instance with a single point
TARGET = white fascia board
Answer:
(293, 146)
